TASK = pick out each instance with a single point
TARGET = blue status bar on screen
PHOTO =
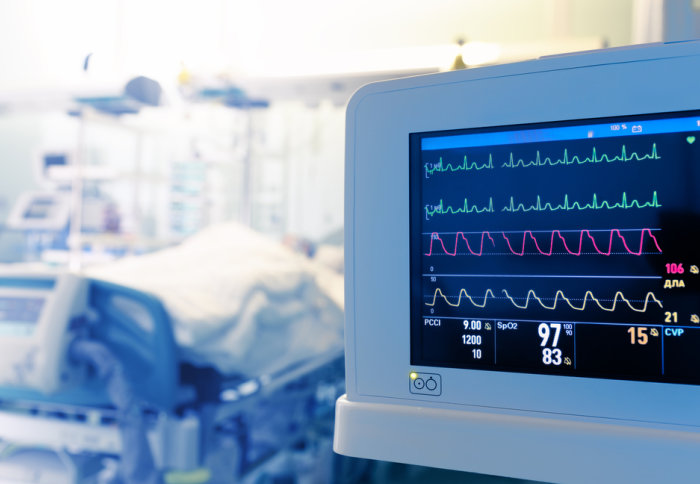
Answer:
(562, 133)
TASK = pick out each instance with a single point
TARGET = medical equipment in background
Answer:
(521, 264)
(188, 197)
(223, 92)
(211, 374)
(138, 93)
(201, 192)
(41, 211)
(34, 328)
(43, 215)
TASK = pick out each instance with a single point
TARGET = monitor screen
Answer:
(19, 315)
(564, 248)
(40, 208)
(55, 159)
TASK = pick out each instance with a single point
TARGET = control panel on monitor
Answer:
(20, 315)
(522, 273)
(566, 248)
(35, 312)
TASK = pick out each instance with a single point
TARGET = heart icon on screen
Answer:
(690, 139)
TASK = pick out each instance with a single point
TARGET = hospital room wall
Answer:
(246, 37)
(315, 164)
(298, 158)
(18, 134)
(611, 20)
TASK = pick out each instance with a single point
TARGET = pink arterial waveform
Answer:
(437, 243)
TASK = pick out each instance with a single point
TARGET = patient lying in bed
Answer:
(239, 302)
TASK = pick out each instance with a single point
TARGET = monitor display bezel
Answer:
(523, 135)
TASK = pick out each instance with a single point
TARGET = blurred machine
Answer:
(100, 381)
(35, 316)
(40, 211)
(45, 215)
(522, 288)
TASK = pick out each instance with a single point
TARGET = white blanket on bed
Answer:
(239, 301)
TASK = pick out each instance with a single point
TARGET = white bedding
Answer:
(239, 301)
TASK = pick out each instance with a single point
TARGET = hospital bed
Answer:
(103, 375)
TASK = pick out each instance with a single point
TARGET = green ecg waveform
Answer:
(439, 167)
(594, 158)
(441, 209)
(595, 204)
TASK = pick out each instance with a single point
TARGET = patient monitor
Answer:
(522, 277)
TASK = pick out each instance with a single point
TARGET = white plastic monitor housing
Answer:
(35, 314)
(552, 428)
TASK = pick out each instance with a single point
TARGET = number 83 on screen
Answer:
(550, 335)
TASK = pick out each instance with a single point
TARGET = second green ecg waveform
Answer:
(566, 204)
